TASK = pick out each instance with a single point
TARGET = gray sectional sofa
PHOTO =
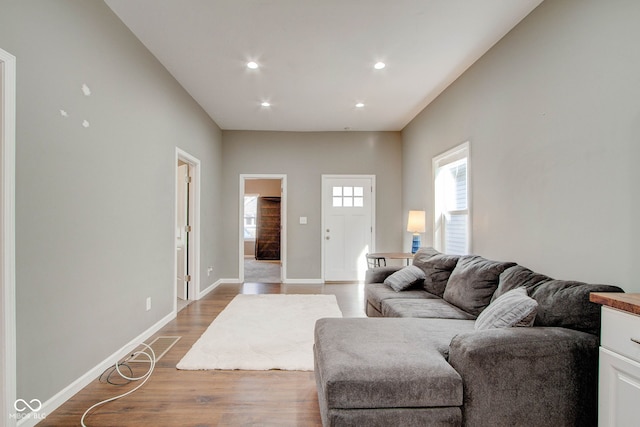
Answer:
(462, 340)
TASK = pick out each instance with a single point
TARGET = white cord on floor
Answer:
(146, 376)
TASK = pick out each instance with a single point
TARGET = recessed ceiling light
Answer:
(265, 104)
(253, 65)
(359, 105)
(379, 65)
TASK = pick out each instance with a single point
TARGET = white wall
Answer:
(95, 206)
(304, 157)
(553, 118)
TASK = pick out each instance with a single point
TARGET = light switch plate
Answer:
(303, 220)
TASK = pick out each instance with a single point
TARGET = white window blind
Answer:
(451, 205)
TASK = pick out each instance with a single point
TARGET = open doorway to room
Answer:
(187, 228)
(262, 228)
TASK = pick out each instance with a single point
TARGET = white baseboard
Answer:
(216, 284)
(31, 419)
(209, 289)
(303, 281)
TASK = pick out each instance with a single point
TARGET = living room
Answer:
(550, 112)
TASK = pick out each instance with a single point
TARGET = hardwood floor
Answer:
(210, 398)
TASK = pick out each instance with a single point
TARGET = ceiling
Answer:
(316, 57)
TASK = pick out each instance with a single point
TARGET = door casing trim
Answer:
(8, 387)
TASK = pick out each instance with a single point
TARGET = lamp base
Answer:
(415, 245)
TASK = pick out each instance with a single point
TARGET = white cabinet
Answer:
(619, 382)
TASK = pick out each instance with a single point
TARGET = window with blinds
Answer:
(452, 216)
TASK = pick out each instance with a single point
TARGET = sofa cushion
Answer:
(422, 255)
(561, 303)
(437, 270)
(518, 276)
(473, 282)
(423, 308)
(382, 363)
(405, 278)
(566, 304)
(375, 293)
(513, 308)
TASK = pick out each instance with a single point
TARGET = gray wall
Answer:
(553, 118)
(304, 157)
(95, 206)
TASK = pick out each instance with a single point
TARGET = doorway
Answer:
(348, 226)
(262, 228)
(187, 228)
(7, 236)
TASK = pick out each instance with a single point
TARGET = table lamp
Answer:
(416, 225)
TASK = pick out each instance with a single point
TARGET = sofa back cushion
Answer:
(561, 303)
(516, 277)
(437, 270)
(473, 282)
(423, 255)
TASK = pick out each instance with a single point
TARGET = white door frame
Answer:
(8, 387)
(322, 208)
(283, 223)
(193, 291)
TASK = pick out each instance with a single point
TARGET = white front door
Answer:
(182, 236)
(347, 230)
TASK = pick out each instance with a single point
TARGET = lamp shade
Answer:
(416, 223)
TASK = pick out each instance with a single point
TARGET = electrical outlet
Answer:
(148, 303)
(209, 270)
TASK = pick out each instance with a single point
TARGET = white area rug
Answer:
(261, 332)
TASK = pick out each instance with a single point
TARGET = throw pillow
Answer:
(404, 278)
(473, 282)
(513, 308)
(437, 270)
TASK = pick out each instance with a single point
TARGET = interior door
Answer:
(347, 227)
(182, 236)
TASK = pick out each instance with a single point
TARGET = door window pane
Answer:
(348, 197)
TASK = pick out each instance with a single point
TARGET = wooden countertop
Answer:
(622, 301)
